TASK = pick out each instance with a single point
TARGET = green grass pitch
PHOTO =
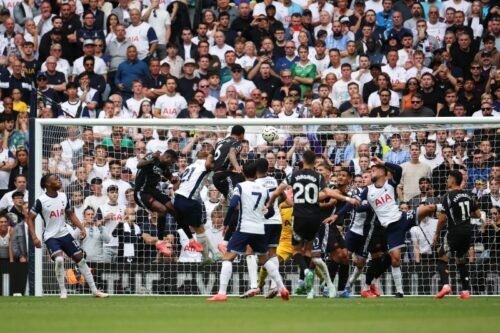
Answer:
(194, 314)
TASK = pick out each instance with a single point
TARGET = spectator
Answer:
(129, 70)
(478, 170)
(426, 195)
(430, 157)
(20, 239)
(16, 212)
(129, 237)
(423, 251)
(440, 173)
(96, 199)
(6, 233)
(417, 108)
(396, 155)
(412, 171)
(110, 215)
(93, 244)
(114, 180)
(21, 168)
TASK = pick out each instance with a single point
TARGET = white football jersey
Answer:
(53, 213)
(187, 254)
(383, 200)
(192, 180)
(118, 212)
(170, 106)
(271, 184)
(252, 198)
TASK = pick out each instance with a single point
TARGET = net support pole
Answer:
(37, 167)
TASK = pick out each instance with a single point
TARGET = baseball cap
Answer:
(207, 142)
(112, 188)
(344, 19)
(486, 54)
(220, 105)
(96, 181)
(190, 62)
(359, 2)
(41, 75)
(88, 42)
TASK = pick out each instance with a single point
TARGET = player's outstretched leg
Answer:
(396, 272)
(59, 270)
(87, 275)
(323, 268)
(274, 273)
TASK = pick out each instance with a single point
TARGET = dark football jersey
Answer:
(221, 154)
(150, 176)
(306, 185)
(458, 206)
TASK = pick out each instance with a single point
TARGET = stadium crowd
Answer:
(243, 59)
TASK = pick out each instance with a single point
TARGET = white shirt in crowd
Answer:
(170, 106)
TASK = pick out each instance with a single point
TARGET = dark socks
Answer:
(298, 260)
(160, 227)
(464, 276)
(444, 277)
(383, 266)
(343, 276)
(332, 269)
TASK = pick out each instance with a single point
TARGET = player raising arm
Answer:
(150, 172)
(227, 170)
(457, 209)
(54, 207)
(250, 231)
(308, 190)
(188, 204)
(381, 196)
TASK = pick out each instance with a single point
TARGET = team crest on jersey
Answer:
(383, 199)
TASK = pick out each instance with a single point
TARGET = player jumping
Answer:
(150, 172)
(188, 204)
(458, 208)
(227, 170)
(54, 207)
(250, 231)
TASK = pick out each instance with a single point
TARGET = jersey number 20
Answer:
(305, 194)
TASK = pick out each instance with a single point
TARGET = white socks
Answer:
(225, 275)
(398, 279)
(274, 273)
(87, 275)
(323, 268)
(276, 263)
(252, 271)
(354, 276)
(59, 260)
(203, 240)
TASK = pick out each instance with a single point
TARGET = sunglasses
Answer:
(236, 70)
(204, 86)
(56, 148)
(416, 102)
(281, 157)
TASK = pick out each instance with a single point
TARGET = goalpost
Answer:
(145, 273)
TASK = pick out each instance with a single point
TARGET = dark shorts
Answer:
(240, 240)
(356, 243)
(66, 244)
(396, 231)
(335, 239)
(273, 234)
(225, 181)
(459, 241)
(189, 211)
(377, 242)
(305, 229)
(146, 198)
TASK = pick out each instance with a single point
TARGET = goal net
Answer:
(92, 155)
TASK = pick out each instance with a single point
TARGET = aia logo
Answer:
(56, 213)
(383, 200)
(287, 223)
